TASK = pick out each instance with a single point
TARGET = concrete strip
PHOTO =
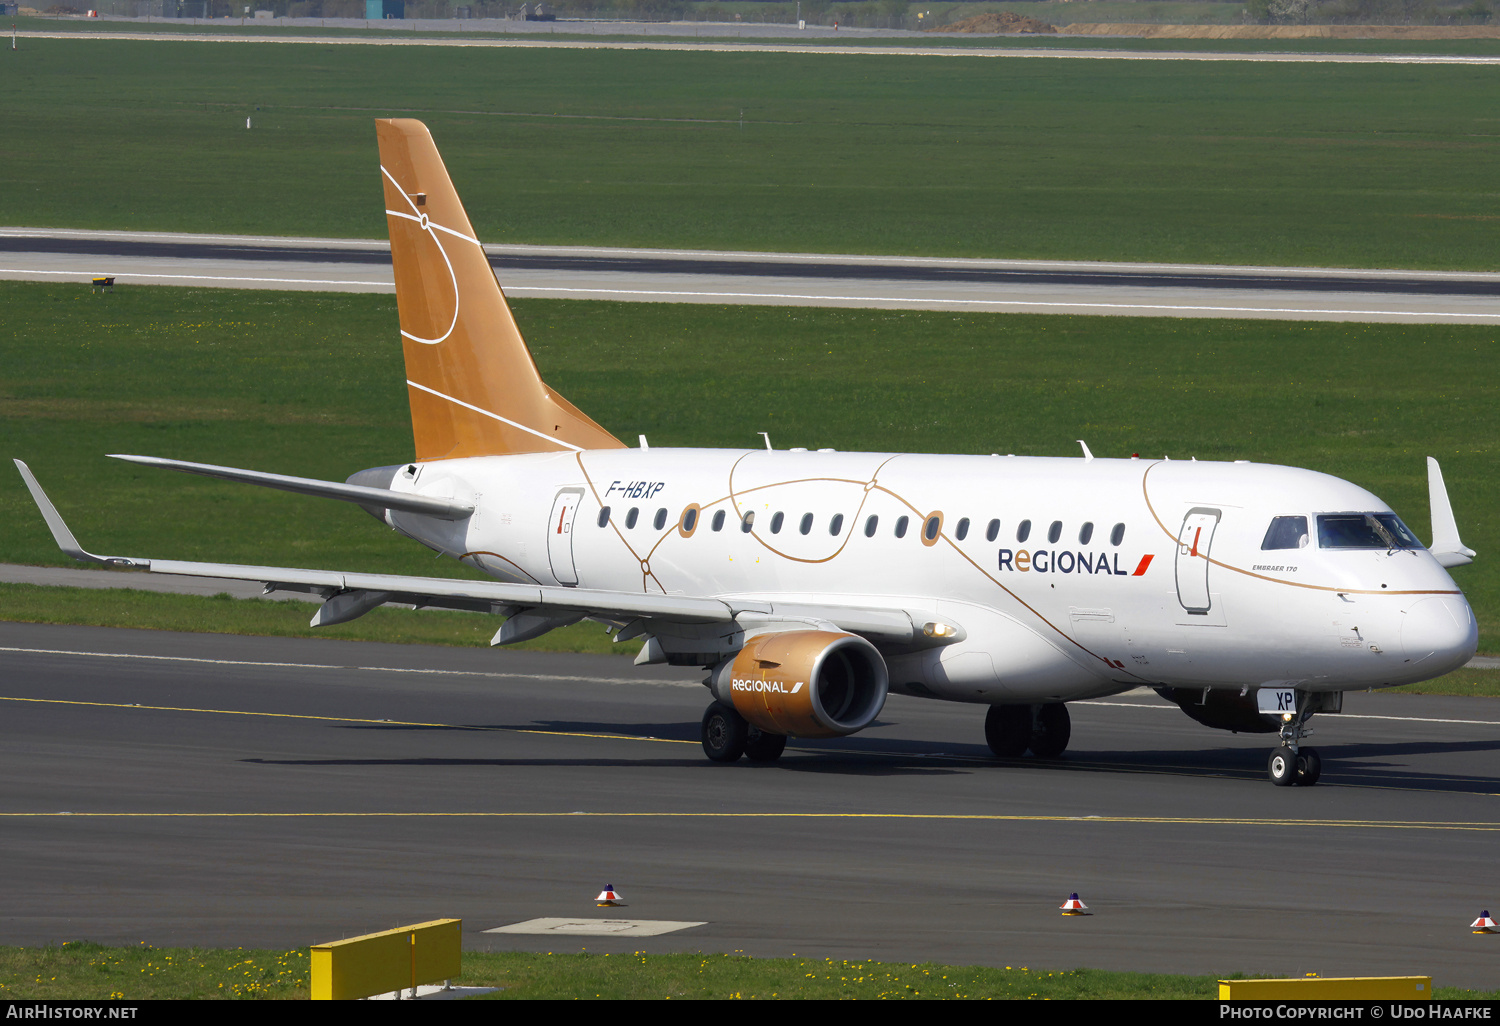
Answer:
(597, 927)
(719, 45)
(780, 279)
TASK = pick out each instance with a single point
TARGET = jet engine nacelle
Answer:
(806, 683)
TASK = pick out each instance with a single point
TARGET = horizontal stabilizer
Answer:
(383, 498)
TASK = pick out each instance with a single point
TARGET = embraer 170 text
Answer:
(810, 584)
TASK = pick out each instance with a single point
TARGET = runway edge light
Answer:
(1074, 907)
(1484, 924)
(609, 897)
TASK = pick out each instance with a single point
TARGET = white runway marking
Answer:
(1165, 705)
(379, 669)
(793, 298)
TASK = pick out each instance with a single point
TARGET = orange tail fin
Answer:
(473, 387)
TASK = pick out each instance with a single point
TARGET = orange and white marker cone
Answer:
(1074, 907)
(1484, 924)
(608, 897)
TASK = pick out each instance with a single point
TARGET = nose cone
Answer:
(1439, 634)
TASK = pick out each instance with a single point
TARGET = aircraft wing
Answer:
(531, 610)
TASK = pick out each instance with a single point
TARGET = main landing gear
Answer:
(1292, 764)
(1012, 729)
(727, 735)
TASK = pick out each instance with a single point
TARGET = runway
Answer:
(783, 279)
(220, 790)
(717, 39)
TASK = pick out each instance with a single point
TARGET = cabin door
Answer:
(1193, 544)
(560, 535)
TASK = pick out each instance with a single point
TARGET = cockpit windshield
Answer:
(1364, 531)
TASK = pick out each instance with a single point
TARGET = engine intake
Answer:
(805, 683)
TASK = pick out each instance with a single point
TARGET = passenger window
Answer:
(777, 519)
(718, 522)
(901, 523)
(870, 525)
(836, 525)
(1285, 533)
(630, 517)
(1023, 530)
(1055, 531)
(806, 526)
(993, 531)
(690, 520)
(932, 527)
(661, 518)
(1117, 535)
(1085, 533)
(962, 530)
(747, 522)
(604, 517)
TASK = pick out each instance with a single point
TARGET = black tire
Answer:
(724, 733)
(1007, 728)
(1281, 767)
(1309, 767)
(1051, 728)
(763, 747)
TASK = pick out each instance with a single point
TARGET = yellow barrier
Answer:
(390, 960)
(1316, 988)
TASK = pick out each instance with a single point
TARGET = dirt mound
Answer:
(995, 24)
(1145, 31)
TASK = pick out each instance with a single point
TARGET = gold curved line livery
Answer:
(869, 486)
(1146, 496)
(472, 385)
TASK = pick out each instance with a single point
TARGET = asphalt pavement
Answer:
(781, 279)
(219, 790)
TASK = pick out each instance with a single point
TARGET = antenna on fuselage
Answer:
(1086, 454)
(767, 436)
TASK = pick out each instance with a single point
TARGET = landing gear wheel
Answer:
(1282, 767)
(724, 733)
(1309, 767)
(763, 747)
(1007, 728)
(1050, 729)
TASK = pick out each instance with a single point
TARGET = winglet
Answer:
(59, 528)
(1445, 546)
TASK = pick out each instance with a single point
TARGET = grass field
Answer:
(83, 971)
(310, 384)
(1324, 164)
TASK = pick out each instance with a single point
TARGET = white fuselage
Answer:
(1132, 572)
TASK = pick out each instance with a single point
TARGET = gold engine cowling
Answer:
(807, 683)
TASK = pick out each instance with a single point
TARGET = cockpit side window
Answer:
(1286, 533)
(1364, 531)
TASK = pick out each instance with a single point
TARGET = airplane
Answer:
(810, 585)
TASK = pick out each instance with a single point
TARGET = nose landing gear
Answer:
(1292, 764)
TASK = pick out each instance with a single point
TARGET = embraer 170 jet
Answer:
(810, 584)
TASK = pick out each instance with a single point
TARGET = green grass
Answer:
(311, 384)
(80, 970)
(1467, 682)
(1324, 164)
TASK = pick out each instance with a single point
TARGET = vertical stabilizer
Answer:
(473, 387)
